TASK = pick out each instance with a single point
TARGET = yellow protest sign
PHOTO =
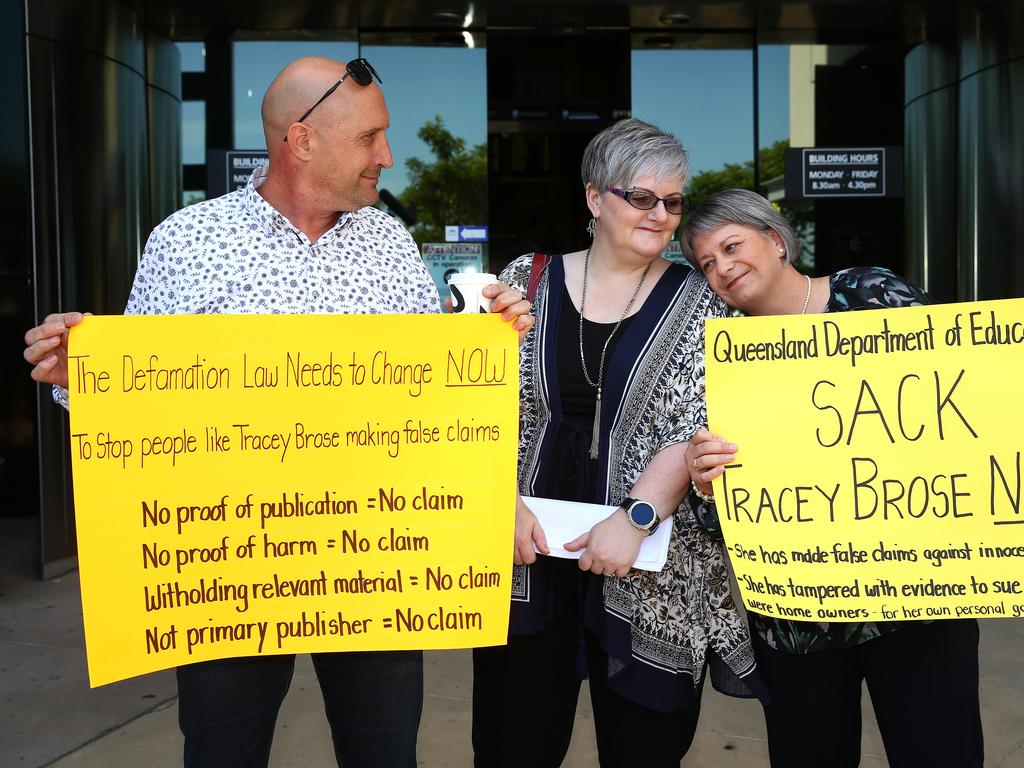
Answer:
(879, 470)
(277, 484)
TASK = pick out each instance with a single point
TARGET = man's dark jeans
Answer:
(227, 709)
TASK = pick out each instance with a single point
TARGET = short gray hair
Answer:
(629, 150)
(737, 206)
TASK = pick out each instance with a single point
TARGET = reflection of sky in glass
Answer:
(193, 57)
(256, 64)
(420, 83)
(705, 97)
(193, 132)
(773, 93)
(711, 109)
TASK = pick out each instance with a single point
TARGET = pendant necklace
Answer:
(598, 385)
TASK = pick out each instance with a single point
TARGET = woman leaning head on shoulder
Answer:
(746, 250)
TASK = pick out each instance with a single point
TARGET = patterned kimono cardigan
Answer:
(658, 627)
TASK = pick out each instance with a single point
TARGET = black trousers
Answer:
(923, 682)
(227, 709)
(524, 707)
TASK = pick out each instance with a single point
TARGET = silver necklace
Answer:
(807, 298)
(598, 385)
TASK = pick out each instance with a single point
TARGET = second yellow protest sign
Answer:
(879, 470)
(257, 485)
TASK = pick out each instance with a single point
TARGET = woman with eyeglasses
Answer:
(922, 676)
(612, 383)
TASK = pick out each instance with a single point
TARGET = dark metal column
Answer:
(93, 203)
(991, 153)
(19, 471)
(930, 165)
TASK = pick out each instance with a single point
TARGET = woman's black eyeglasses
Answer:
(645, 200)
(359, 70)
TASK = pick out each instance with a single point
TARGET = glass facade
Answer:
(473, 122)
(715, 121)
(193, 132)
(785, 118)
(721, 121)
(437, 97)
(193, 56)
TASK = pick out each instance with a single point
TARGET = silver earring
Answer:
(592, 228)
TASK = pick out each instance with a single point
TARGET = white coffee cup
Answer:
(467, 292)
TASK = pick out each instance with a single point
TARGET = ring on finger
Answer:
(695, 465)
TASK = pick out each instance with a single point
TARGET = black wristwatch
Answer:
(641, 515)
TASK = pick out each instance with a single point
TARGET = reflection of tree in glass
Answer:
(800, 215)
(450, 190)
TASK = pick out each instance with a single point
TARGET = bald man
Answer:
(301, 237)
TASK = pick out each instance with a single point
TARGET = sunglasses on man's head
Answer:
(359, 70)
(645, 200)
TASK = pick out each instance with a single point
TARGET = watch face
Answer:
(642, 514)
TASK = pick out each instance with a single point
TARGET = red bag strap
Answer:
(538, 265)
